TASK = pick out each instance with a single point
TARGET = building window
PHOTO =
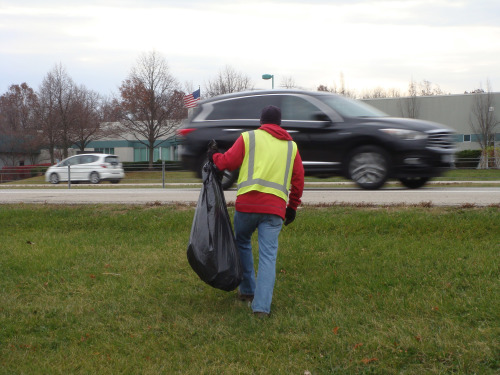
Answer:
(141, 154)
(466, 137)
(105, 150)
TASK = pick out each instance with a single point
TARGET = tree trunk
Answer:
(483, 160)
(51, 151)
(151, 155)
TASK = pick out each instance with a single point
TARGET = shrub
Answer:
(38, 171)
(468, 154)
(467, 158)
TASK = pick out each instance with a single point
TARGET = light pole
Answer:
(269, 76)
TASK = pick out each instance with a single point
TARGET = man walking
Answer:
(270, 166)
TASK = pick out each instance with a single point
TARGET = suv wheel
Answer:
(94, 178)
(368, 167)
(414, 182)
(229, 178)
(54, 178)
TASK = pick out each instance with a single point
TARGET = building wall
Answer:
(453, 111)
(130, 151)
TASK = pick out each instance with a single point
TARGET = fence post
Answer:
(69, 176)
(163, 173)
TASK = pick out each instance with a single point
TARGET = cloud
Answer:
(454, 43)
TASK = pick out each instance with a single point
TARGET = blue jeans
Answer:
(269, 227)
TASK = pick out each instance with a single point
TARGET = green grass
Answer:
(471, 175)
(389, 290)
(141, 177)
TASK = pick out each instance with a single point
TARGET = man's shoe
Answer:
(245, 297)
(261, 314)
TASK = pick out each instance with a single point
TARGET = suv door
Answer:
(72, 163)
(231, 117)
(312, 129)
(84, 168)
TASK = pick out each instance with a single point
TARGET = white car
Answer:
(87, 167)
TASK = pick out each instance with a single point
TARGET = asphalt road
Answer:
(436, 196)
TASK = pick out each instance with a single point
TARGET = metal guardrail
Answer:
(473, 163)
(137, 168)
(158, 172)
(14, 173)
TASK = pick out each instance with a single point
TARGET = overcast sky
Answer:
(452, 43)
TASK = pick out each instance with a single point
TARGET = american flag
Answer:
(191, 100)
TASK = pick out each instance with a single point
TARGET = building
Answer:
(131, 150)
(453, 111)
(16, 151)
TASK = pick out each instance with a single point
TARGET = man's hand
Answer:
(212, 149)
(289, 215)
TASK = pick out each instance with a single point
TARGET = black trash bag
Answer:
(212, 250)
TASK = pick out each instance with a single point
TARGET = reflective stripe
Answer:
(251, 166)
(251, 154)
(261, 182)
(288, 162)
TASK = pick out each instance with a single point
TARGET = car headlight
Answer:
(405, 134)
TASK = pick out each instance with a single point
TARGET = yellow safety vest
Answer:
(267, 165)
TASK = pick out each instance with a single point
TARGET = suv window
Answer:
(111, 160)
(85, 159)
(242, 108)
(298, 109)
(71, 161)
(351, 108)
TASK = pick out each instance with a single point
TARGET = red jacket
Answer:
(255, 201)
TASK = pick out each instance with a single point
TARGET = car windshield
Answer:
(351, 108)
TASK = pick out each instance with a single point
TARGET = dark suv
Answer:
(335, 136)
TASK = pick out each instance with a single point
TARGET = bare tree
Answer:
(56, 110)
(65, 94)
(288, 82)
(16, 106)
(18, 124)
(227, 81)
(476, 91)
(189, 87)
(151, 106)
(376, 93)
(341, 89)
(483, 122)
(380, 92)
(427, 88)
(394, 93)
(46, 113)
(409, 106)
(94, 118)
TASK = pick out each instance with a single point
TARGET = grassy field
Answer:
(470, 175)
(108, 290)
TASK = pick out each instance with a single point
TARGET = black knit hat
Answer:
(270, 115)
